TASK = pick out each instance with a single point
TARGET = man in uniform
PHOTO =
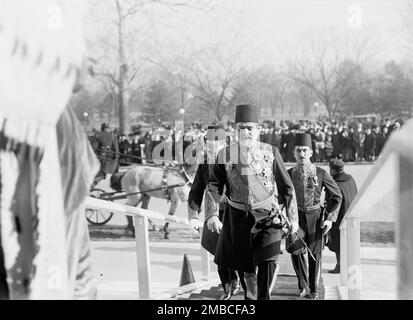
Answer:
(229, 278)
(256, 183)
(348, 188)
(309, 181)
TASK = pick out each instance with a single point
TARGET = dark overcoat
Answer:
(348, 188)
(209, 239)
(238, 247)
(309, 195)
(108, 153)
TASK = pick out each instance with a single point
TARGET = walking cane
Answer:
(297, 233)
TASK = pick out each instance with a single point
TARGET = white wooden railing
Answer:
(140, 217)
(392, 172)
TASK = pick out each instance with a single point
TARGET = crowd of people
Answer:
(333, 139)
(351, 142)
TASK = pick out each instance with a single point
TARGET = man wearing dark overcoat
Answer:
(309, 182)
(369, 145)
(230, 279)
(108, 151)
(256, 184)
(348, 189)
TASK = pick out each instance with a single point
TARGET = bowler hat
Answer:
(336, 164)
(303, 139)
(246, 113)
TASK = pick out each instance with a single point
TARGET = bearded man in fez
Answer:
(256, 183)
(216, 140)
(348, 188)
(309, 182)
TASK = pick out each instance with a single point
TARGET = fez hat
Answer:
(303, 139)
(246, 113)
(336, 164)
(215, 127)
(211, 134)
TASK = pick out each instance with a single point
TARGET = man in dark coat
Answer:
(125, 149)
(336, 143)
(309, 182)
(108, 151)
(369, 145)
(290, 144)
(348, 188)
(346, 146)
(136, 148)
(230, 279)
(256, 183)
(380, 139)
(359, 137)
(284, 144)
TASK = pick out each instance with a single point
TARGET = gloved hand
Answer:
(326, 225)
(294, 227)
(214, 224)
(194, 224)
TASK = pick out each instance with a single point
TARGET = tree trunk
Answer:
(123, 106)
(306, 108)
(328, 107)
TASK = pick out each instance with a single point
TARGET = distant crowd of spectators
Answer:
(351, 142)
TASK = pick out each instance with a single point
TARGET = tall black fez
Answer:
(246, 113)
(337, 164)
(211, 133)
(302, 139)
(215, 127)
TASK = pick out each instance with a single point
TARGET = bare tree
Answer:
(329, 65)
(124, 26)
(406, 13)
(306, 95)
(216, 75)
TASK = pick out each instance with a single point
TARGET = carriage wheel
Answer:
(95, 216)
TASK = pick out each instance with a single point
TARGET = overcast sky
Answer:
(266, 24)
(269, 22)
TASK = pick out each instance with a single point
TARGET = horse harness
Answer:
(165, 186)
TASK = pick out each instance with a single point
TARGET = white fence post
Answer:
(404, 232)
(205, 265)
(353, 263)
(343, 256)
(142, 253)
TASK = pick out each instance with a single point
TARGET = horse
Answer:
(161, 182)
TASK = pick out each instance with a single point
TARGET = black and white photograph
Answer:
(204, 155)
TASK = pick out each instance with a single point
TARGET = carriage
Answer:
(165, 177)
(100, 217)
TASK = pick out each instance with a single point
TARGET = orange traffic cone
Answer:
(187, 276)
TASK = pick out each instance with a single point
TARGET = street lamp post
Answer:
(86, 116)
